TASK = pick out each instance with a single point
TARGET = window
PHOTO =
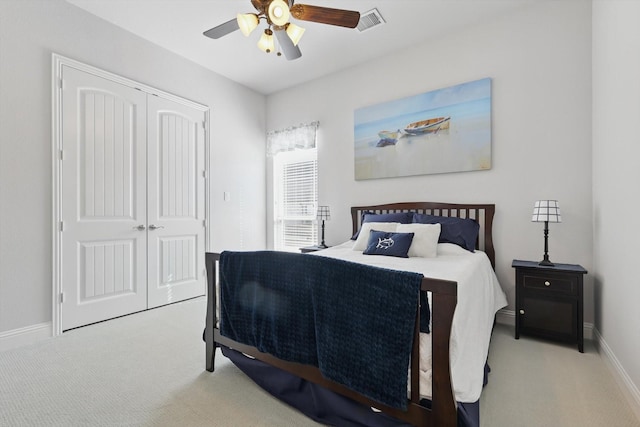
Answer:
(295, 199)
(295, 187)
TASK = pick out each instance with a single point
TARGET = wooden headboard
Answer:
(481, 213)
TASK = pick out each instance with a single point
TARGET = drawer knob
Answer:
(547, 283)
(521, 311)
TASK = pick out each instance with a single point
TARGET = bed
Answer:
(446, 366)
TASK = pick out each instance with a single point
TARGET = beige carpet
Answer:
(539, 383)
(147, 369)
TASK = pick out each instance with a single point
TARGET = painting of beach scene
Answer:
(445, 130)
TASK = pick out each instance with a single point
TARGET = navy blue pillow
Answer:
(461, 231)
(389, 243)
(401, 217)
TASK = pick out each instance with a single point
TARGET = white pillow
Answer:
(363, 237)
(425, 239)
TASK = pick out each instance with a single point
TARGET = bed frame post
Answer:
(444, 409)
(212, 272)
(489, 212)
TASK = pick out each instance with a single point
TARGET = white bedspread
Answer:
(479, 298)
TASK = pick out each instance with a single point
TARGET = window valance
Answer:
(301, 137)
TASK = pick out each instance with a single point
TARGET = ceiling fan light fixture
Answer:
(295, 33)
(247, 22)
(266, 42)
(278, 12)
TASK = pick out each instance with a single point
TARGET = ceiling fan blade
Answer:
(326, 15)
(289, 50)
(222, 29)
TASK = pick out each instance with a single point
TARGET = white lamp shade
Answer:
(247, 22)
(278, 12)
(546, 210)
(266, 43)
(295, 33)
(323, 213)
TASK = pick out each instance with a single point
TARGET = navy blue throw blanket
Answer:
(354, 322)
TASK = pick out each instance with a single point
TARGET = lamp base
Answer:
(545, 259)
(322, 245)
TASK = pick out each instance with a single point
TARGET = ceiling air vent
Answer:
(369, 20)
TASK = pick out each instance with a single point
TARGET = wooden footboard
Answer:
(443, 411)
(444, 299)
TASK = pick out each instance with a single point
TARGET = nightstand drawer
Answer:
(551, 283)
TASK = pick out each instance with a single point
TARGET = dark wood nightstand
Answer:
(549, 301)
(308, 249)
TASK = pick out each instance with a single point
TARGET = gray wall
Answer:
(29, 32)
(616, 178)
(539, 59)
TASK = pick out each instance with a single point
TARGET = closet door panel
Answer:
(103, 199)
(175, 202)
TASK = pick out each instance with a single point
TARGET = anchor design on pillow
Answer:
(384, 243)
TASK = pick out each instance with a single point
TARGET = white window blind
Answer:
(295, 199)
(295, 186)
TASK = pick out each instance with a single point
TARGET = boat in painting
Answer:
(388, 137)
(428, 126)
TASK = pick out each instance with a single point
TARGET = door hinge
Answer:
(204, 222)
(204, 124)
(61, 225)
(204, 174)
(61, 154)
(62, 84)
(61, 297)
(204, 272)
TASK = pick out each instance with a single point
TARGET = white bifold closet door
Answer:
(132, 201)
(175, 202)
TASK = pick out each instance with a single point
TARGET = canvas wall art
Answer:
(445, 130)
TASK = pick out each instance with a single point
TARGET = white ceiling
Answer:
(177, 25)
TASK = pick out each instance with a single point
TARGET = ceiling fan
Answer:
(277, 13)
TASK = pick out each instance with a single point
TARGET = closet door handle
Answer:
(155, 227)
(140, 227)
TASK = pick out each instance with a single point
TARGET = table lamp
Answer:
(323, 215)
(546, 211)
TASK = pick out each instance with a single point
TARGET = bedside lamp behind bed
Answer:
(323, 215)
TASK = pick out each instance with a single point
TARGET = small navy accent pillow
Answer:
(460, 231)
(388, 243)
(401, 217)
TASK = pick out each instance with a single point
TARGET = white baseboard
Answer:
(629, 389)
(508, 317)
(24, 336)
